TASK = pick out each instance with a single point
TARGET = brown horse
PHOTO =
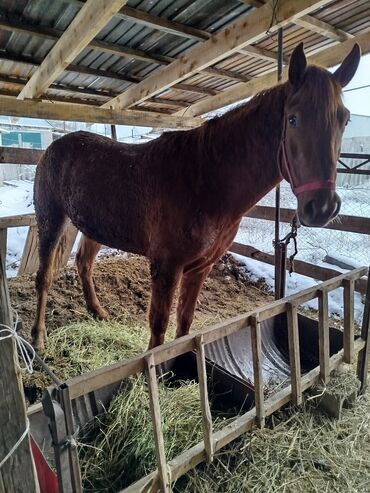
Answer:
(178, 200)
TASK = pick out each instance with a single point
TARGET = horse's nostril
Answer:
(309, 209)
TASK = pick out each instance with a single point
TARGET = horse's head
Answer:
(314, 122)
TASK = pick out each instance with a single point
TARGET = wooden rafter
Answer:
(327, 57)
(311, 24)
(242, 33)
(113, 48)
(86, 113)
(84, 27)
(107, 74)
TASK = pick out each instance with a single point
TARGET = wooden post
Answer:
(3, 237)
(113, 132)
(363, 356)
(324, 335)
(257, 370)
(204, 401)
(294, 358)
(348, 326)
(157, 424)
(18, 472)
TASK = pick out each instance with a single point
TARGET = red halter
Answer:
(285, 171)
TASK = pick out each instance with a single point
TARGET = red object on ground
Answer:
(48, 480)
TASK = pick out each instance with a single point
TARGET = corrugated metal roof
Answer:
(40, 22)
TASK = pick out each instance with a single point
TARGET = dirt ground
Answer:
(123, 287)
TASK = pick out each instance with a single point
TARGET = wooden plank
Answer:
(164, 481)
(352, 224)
(294, 357)
(300, 266)
(14, 155)
(18, 472)
(241, 33)
(257, 370)
(87, 23)
(3, 243)
(30, 259)
(17, 221)
(348, 325)
(87, 113)
(326, 57)
(324, 335)
(364, 354)
(323, 28)
(204, 401)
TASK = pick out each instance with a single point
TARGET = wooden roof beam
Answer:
(88, 22)
(114, 49)
(107, 74)
(87, 113)
(323, 28)
(243, 32)
(311, 24)
(327, 57)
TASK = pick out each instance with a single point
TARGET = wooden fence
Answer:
(169, 471)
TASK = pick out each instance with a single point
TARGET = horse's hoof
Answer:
(38, 344)
(100, 314)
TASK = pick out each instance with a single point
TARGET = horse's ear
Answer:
(347, 70)
(297, 66)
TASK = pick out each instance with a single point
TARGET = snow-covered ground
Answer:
(313, 244)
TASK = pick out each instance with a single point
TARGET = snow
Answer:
(15, 199)
(257, 270)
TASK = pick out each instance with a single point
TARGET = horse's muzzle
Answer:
(318, 208)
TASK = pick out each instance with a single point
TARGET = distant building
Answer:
(356, 139)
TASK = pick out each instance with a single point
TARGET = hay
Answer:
(306, 453)
(122, 448)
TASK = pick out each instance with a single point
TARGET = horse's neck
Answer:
(242, 148)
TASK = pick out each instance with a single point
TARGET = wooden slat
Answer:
(3, 239)
(257, 370)
(17, 221)
(323, 28)
(324, 335)
(204, 401)
(326, 57)
(157, 424)
(348, 325)
(65, 247)
(243, 32)
(87, 113)
(30, 260)
(364, 354)
(14, 155)
(352, 224)
(84, 27)
(300, 266)
(294, 357)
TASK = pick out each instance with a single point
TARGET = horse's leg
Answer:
(165, 279)
(85, 258)
(50, 230)
(191, 285)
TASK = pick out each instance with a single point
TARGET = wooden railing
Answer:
(168, 471)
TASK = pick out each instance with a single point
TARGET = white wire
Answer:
(28, 358)
(25, 349)
(16, 445)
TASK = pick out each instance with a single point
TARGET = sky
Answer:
(358, 101)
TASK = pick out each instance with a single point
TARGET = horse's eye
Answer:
(292, 119)
(347, 122)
